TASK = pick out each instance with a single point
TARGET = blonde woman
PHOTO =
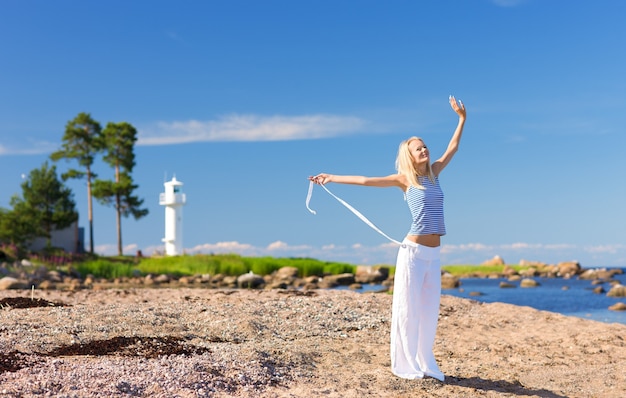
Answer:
(417, 281)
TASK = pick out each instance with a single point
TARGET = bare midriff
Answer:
(431, 240)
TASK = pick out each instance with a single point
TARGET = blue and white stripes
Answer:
(426, 207)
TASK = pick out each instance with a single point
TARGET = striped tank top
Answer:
(426, 207)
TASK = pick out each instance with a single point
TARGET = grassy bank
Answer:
(225, 264)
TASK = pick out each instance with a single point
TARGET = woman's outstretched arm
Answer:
(453, 145)
(393, 180)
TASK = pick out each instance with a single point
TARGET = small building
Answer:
(70, 239)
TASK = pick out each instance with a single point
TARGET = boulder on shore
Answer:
(617, 291)
(496, 260)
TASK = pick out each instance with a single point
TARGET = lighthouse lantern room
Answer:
(173, 199)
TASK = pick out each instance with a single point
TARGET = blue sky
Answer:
(243, 100)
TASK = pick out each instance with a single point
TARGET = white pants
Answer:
(415, 311)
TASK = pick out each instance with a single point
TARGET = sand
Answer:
(284, 343)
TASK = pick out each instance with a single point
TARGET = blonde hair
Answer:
(406, 166)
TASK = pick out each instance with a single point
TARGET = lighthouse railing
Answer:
(169, 199)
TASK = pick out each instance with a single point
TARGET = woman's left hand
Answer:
(457, 106)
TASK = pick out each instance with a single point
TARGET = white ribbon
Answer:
(352, 209)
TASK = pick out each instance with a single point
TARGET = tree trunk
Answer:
(90, 210)
(118, 210)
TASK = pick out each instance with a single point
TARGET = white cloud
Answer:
(612, 249)
(249, 128)
(33, 148)
(220, 247)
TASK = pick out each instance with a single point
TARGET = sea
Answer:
(571, 297)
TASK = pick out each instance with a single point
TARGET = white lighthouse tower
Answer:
(173, 199)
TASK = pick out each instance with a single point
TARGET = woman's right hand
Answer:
(321, 178)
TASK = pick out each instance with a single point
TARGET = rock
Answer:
(163, 278)
(449, 281)
(250, 281)
(496, 260)
(568, 268)
(598, 290)
(505, 285)
(286, 274)
(371, 274)
(615, 291)
(277, 285)
(54, 276)
(509, 271)
(47, 285)
(529, 272)
(475, 293)
(618, 307)
(8, 282)
(312, 279)
(26, 263)
(228, 281)
(340, 279)
(528, 283)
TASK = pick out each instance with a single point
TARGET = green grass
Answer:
(103, 268)
(226, 264)
(465, 270)
(233, 264)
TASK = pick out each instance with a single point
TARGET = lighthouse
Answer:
(173, 199)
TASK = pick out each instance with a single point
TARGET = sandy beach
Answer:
(284, 343)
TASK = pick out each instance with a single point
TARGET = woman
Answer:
(417, 282)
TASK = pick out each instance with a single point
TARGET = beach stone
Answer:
(54, 276)
(528, 283)
(228, 281)
(9, 282)
(286, 274)
(250, 280)
(618, 307)
(26, 263)
(449, 281)
(162, 279)
(615, 291)
(276, 285)
(529, 272)
(371, 274)
(340, 279)
(496, 260)
(568, 268)
(509, 271)
(47, 285)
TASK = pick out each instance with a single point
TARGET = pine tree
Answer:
(46, 205)
(82, 141)
(119, 141)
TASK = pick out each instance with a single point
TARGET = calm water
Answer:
(566, 296)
